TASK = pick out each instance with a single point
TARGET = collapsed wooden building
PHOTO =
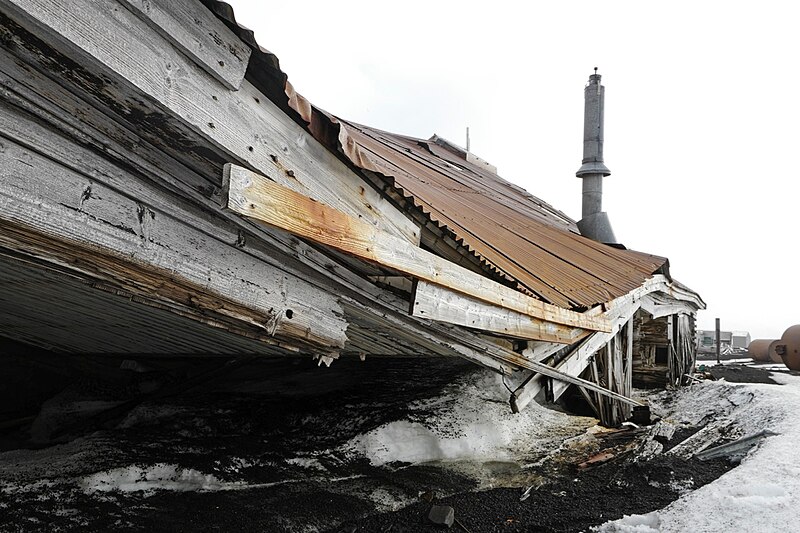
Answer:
(165, 190)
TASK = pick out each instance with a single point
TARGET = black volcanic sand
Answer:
(742, 374)
(270, 411)
(573, 502)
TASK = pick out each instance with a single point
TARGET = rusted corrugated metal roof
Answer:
(503, 224)
(524, 238)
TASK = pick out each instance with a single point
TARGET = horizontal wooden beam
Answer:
(253, 195)
(658, 307)
(444, 305)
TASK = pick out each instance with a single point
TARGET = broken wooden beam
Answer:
(619, 311)
(572, 380)
(256, 196)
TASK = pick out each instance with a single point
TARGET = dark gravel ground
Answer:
(279, 409)
(741, 374)
(573, 502)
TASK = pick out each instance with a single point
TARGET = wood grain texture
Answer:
(200, 35)
(243, 123)
(255, 196)
(78, 215)
(378, 321)
(439, 303)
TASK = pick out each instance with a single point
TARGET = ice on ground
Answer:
(471, 421)
(761, 494)
(160, 476)
(310, 463)
(75, 458)
(388, 501)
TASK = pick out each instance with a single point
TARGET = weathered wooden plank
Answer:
(380, 314)
(200, 35)
(575, 363)
(51, 104)
(539, 351)
(440, 338)
(255, 196)
(103, 34)
(158, 165)
(658, 309)
(629, 356)
(439, 303)
(55, 213)
(572, 380)
(55, 308)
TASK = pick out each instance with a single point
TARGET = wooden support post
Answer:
(716, 328)
(610, 360)
(601, 401)
(589, 400)
(629, 356)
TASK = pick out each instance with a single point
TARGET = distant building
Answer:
(706, 340)
(740, 339)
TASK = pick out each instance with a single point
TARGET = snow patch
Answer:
(310, 463)
(160, 476)
(386, 501)
(638, 523)
(761, 493)
(470, 421)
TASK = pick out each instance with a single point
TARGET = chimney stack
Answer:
(594, 223)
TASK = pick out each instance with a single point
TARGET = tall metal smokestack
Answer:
(594, 223)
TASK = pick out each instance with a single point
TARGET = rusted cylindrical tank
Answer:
(789, 347)
(759, 350)
(774, 356)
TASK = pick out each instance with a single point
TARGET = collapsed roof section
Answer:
(155, 155)
(529, 244)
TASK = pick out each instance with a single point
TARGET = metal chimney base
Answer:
(598, 228)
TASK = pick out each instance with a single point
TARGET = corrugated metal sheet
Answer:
(504, 225)
(524, 238)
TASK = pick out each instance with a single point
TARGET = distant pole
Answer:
(717, 328)
(467, 138)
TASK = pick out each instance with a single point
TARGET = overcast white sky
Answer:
(702, 116)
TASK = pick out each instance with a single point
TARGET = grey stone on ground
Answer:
(442, 514)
